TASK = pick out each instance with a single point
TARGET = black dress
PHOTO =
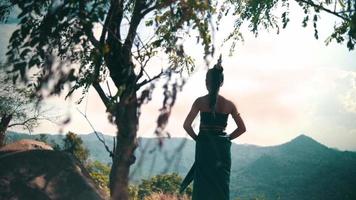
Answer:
(211, 169)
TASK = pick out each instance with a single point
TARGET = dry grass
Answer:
(161, 196)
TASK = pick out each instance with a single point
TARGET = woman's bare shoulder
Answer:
(230, 105)
(198, 101)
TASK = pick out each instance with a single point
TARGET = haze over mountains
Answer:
(299, 169)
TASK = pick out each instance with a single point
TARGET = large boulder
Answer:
(44, 174)
(25, 145)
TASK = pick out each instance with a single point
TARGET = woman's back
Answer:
(213, 121)
(222, 105)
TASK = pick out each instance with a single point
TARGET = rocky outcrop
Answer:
(43, 174)
(25, 145)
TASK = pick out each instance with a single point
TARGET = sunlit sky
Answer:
(283, 85)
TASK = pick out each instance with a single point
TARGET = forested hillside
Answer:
(299, 169)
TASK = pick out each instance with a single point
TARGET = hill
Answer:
(299, 169)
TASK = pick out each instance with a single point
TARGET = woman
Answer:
(211, 170)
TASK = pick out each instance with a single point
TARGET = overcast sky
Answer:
(283, 85)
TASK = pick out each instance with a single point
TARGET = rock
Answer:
(25, 145)
(44, 174)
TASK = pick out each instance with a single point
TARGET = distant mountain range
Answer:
(301, 169)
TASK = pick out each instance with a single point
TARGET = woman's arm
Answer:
(239, 122)
(189, 120)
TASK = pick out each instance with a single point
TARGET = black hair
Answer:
(215, 78)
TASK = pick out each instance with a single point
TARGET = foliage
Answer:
(263, 14)
(49, 31)
(167, 184)
(133, 192)
(256, 198)
(100, 174)
(74, 145)
(160, 196)
(18, 108)
(63, 32)
(55, 146)
(18, 102)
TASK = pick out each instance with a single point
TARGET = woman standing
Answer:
(211, 170)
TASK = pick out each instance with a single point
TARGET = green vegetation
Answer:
(166, 184)
(100, 174)
(257, 198)
(162, 184)
(299, 169)
(74, 145)
(18, 108)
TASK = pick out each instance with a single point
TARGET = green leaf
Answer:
(24, 53)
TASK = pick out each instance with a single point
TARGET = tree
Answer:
(52, 35)
(17, 108)
(74, 145)
(263, 14)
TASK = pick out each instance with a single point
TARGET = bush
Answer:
(73, 144)
(164, 184)
(100, 174)
(160, 196)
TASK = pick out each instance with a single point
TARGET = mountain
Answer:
(299, 169)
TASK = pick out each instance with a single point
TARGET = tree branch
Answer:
(345, 11)
(111, 33)
(91, 38)
(105, 26)
(88, 29)
(102, 140)
(146, 81)
(102, 94)
(107, 85)
(29, 129)
(311, 3)
(140, 58)
(135, 21)
(24, 123)
(148, 10)
(119, 19)
(114, 21)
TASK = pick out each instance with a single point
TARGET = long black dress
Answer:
(211, 169)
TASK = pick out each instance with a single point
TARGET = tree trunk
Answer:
(127, 122)
(5, 121)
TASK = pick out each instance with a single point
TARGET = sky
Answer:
(283, 85)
